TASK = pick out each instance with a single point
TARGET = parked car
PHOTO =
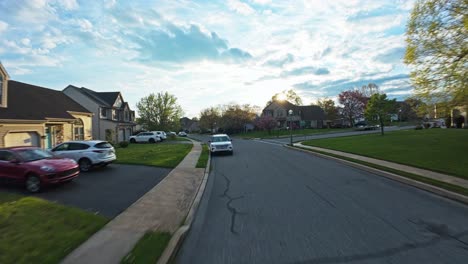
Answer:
(35, 167)
(182, 134)
(220, 143)
(143, 137)
(161, 134)
(87, 154)
(363, 125)
(171, 133)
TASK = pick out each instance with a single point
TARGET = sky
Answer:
(208, 52)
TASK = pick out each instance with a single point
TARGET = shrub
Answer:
(123, 144)
(172, 136)
(418, 127)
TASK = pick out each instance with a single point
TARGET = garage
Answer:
(13, 139)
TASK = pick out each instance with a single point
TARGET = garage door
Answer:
(13, 139)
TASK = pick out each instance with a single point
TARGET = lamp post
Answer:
(290, 112)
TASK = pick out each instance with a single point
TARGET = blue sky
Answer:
(207, 52)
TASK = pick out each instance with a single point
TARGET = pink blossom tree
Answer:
(354, 104)
(266, 122)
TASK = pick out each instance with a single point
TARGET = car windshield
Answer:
(33, 154)
(220, 139)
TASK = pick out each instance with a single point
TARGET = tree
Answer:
(437, 50)
(354, 103)
(289, 95)
(328, 106)
(234, 117)
(209, 118)
(370, 89)
(379, 107)
(266, 122)
(159, 112)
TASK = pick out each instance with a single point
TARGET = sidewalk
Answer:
(163, 208)
(421, 172)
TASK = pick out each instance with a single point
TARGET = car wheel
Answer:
(151, 140)
(33, 184)
(132, 140)
(85, 165)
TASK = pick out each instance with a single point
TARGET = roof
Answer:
(307, 112)
(31, 102)
(106, 99)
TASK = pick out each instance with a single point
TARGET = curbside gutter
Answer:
(179, 235)
(420, 185)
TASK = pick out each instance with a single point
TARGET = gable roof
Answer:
(106, 99)
(31, 102)
(307, 112)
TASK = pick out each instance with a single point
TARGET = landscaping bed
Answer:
(441, 150)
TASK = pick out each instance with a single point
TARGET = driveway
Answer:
(107, 191)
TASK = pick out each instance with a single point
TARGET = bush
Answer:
(418, 127)
(172, 136)
(123, 144)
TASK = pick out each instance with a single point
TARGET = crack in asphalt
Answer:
(320, 196)
(234, 212)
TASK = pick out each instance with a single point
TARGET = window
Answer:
(114, 114)
(103, 112)
(126, 115)
(103, 145)
(77, 146)
(62, 147)
(79, 129)
(6, 155)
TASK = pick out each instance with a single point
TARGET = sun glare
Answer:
(281, 97)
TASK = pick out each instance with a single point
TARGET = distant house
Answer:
(189, 125)
(113, 119)
(36, 116)
(310, 116)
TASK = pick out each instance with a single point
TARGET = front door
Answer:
(48, 135)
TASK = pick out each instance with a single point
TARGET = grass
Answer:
(441, 150)
(440, 184)
(160, 155)
(33, 230)
(283, 133)
(149, 249)
(203, 159)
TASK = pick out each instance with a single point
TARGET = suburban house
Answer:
(307, 116)
(36, 116)
(113, 120)
(189, 125)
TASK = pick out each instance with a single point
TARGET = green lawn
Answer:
(149, 249)
(442, 150)
(169, 139)
(283, 133)
(160, 154)
(203, 159)
(33, 230)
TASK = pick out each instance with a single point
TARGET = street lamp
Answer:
(290, 112)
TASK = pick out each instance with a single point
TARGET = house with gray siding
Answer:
(113, 120)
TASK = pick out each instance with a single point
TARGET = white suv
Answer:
(161, 134)
(87, 153)
(150, 137)
(220, 143)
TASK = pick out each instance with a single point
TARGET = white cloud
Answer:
(68, 4)
(3, 26)
(262, 2)
(240, 7)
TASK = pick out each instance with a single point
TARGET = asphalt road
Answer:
(286, 140)
(108, 191)
(269, 204)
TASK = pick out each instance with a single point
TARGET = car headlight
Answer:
(47, 168)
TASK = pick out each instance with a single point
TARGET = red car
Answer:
(35, 167)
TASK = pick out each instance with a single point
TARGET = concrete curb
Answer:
(178, 237)
(420, 185)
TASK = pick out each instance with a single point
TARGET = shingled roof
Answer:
(30, 102)
(106, 99)
(306, 112)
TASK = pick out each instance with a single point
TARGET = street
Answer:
(269, 204)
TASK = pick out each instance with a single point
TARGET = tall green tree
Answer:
(437, 50)
(328, 106)
(290, 96)
(209, 118)
(159, 112)
(379, 108)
